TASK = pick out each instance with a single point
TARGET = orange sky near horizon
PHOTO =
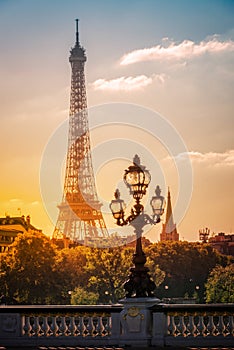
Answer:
(173, 60)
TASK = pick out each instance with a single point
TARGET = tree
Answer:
(35, 272)
(71, 270)
(80, 296)
(220, 285)
(156, 273)
(28, 270)
(186, 266)
(108, 270)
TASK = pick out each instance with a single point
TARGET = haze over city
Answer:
(172, 58)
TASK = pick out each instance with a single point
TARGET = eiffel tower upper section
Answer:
(80, 214)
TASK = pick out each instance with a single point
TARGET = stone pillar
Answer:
(136, 321)
(10, 329)
(115, 328)
(159, 328)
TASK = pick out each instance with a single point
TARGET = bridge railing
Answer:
(117, 325)
(193, 325)
(56, 325)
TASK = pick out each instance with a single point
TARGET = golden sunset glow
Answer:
(158, 62)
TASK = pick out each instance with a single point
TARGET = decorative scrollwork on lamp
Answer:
(137, 179)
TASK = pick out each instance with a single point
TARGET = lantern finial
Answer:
(117, 194)
(136, 160)
(158, 191)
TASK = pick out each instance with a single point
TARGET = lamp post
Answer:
(166, 287)
(137, 179)
(70, 294)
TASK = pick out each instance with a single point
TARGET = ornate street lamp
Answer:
(137, 179)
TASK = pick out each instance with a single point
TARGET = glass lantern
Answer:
(117, 206)
(137, 178)
(157, 203)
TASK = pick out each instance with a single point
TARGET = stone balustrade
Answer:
(66, 326)
(55, 325)
(193, 325)
(136, 322)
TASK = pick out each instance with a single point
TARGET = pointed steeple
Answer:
(169, 216)
(169, 231)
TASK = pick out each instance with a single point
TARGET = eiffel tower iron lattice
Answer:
(80, 217)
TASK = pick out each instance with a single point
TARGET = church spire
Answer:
(169, 231)
(169, 216)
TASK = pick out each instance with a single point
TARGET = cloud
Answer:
(211, 158)
(185, 50)
(127, 83)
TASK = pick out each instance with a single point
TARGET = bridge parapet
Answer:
(182, 325)
(193, 325)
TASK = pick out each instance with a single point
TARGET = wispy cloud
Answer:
(127, 83)
(210, 158)
(185, 50)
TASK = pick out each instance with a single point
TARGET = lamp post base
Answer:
(135, 320)
(139, 284)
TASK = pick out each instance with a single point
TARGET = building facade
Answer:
(11, 227)
(224, 243)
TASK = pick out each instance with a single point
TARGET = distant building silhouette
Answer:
(204, 234)
(224, 243)
(169, 231)
(130, 241)
(10, 227)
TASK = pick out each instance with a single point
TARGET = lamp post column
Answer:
(139, 283)
(137, 179)
(139, 251)
(136, 317)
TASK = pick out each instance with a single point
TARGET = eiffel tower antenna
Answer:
(77, 33)
(80, 218)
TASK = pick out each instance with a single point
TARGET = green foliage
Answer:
(186, 266)
(156, 273)
(36, 272)
(71, 270)
(108, 270)
(80, 296)
(220, 285)
(29, 273)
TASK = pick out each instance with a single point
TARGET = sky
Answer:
(160, 83)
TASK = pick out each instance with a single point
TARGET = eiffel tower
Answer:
(80, 217)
